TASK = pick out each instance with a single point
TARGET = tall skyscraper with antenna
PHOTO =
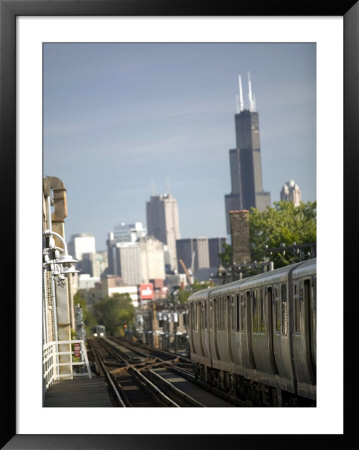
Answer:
(245, 159)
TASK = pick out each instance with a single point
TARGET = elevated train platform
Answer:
(79, 392)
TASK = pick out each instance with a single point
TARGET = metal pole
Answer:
(53, 287)
(44, 305)
(54, 308)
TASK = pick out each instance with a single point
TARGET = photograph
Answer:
(167, 169)
(179, 224)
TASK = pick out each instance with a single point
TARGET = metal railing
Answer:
(51, 362)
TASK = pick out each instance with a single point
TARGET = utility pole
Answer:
(155, 325)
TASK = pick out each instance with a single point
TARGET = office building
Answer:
(136, 262)
(215, 247)
(152, 258)
(194, 253)
(291, 193)
(94, 264)
(81, 243)
(128, 262)
(163, 223)
(128, 232)
(245, 160)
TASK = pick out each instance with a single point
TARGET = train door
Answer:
(205, 331)
(191, 326)
(213, 327)
(268, 311)
(303, 346)
(313, 322)
(248, 359)
(229, 327)
(308, 295)
(236, 333)
(282, 343)
(201, 324)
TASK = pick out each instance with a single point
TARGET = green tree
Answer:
(115, 312)
(285, 224)
(226, 256)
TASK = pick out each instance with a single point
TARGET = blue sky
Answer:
(120, 118)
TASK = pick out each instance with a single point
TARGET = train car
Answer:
(99, 331)
(256, 337)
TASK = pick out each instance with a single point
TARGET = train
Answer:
(255, 338)
(99, 331)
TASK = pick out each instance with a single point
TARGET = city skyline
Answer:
(125, 121)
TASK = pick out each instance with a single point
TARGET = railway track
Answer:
(135, 380)
(182, 366)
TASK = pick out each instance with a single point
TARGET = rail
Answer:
(51, 361)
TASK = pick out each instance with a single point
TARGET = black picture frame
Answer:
(9, 10)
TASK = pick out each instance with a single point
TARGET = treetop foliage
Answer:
(282, 224)
(114, 312)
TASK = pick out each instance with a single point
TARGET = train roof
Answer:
(276, 275)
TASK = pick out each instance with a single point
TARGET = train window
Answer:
(237, 312)
(233, 313)
(218, 318)
(202, 315)
(261, 312)
(269, 305)
(205, 316)
(220, 313)
(277, 310)
(198, 316)
(229, 307)
(194, 316)
(243, 305)
(215, 314)
(255, 325)
(223, 311)
(184, 319)
(296, 296)
(284, 310)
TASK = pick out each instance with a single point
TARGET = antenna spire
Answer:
(153, 188)
(241, 103)
(250, 97)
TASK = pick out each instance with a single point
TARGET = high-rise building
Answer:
(163, 223)
(128, 258)
(136, 262)
(245, 160)
(215, 247)
(291, 193)
(152, 258)
(125, 232)
(81, 243)
(122, 233)
(194, 252)
(94, 264)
